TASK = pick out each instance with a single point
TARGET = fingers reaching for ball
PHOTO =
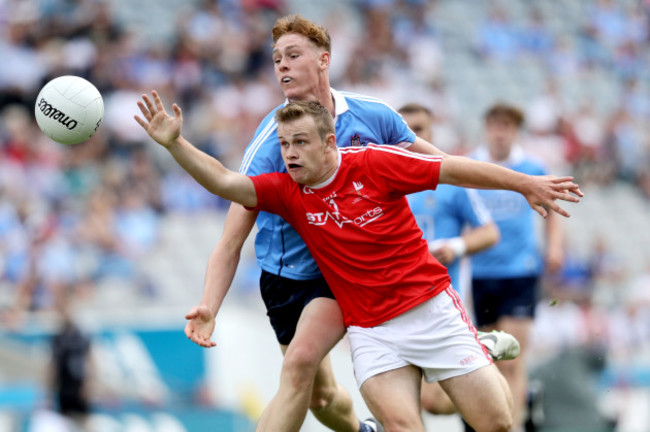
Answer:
(164, 128)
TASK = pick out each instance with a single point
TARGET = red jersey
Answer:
(361, 232)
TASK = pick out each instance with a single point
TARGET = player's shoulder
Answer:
(359, 102)
(270, 117)
(531, 164)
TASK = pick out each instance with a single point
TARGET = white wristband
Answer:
(434, 245)
(457, 244)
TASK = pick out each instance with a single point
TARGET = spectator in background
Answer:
(627, 140)
(497, 36)
(70, 370)
(536, 38)
(506, 276)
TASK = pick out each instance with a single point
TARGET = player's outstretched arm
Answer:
(220, 272)
(206, 170)
(541, 192)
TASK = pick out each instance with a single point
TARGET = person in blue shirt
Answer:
(505, 278)
(445, 214)
(455, 223)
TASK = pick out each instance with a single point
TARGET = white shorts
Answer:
(436, 336)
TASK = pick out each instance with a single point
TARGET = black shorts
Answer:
(70, 404)
(511, 297)
(286, 298)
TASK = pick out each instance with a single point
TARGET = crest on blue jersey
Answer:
(355, 141)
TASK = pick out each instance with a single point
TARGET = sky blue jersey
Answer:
(443, 213)
(359, 120)
(518, 253)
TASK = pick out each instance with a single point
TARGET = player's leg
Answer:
(509, 305)
(331, 404)
(483, 398)
(320, 327)
(394, 398)
(515, 371)
(435, 401)
(500, 346)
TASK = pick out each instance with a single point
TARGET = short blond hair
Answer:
(302, 26)
(298, 109)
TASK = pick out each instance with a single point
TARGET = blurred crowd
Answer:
(74, 217)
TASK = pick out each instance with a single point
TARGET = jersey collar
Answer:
(340, 104)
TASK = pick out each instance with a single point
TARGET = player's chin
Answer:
(291, 93)
(295, 176)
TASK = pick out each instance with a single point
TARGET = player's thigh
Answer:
(393, 397)
(481, 397)
(319, 328)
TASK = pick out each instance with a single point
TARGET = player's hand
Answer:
(162, 127)
(541, 192)
(200, 326)
(444, 254)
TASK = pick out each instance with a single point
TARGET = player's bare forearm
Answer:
(225, 256)
(466, 172)
(219, 275)
(480, 238)
(212, 175)
(541, 192)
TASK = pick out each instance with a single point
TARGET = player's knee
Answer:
(438, 407)
(300, 365)
(496, 423)
(402, 421)
(435, 401)
(503, 424)
(429, 403)
(322, 397)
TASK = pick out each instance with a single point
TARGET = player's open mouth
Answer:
(294, 166)
(286, 80)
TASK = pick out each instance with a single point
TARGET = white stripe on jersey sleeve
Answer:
(366, 99)
(479, 207)
(394, 150)
(255, 146)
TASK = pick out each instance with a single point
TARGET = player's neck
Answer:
(497, 157)
(321, 93)
(329, 169)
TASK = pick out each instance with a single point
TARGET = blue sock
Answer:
(365, 428)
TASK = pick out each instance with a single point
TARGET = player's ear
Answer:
(330, 141)
(324, 59)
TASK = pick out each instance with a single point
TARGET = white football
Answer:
(69, 109)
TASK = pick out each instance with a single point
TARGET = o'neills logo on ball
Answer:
(53, 113)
